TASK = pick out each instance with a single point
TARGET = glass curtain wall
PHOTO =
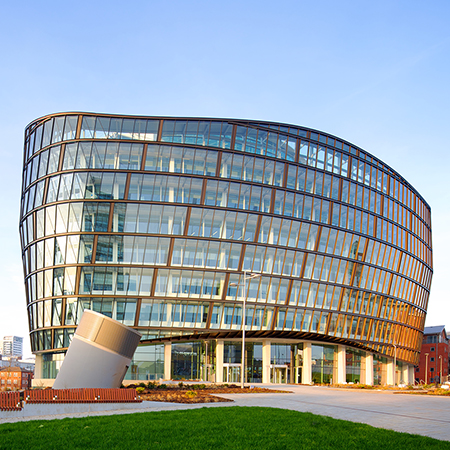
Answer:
(147, 364)
(51, 364)
(323, 364)
(379, 370)
(232, 354)
(280, 363)
(152, 221)
(187, 361)
(253, 362)
(354, 366)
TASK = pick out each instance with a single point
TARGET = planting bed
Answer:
(196, 393)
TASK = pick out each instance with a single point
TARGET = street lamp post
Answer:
(426, 368)
(244, 297)
(395, 363)
(440, 373)
(206, 361)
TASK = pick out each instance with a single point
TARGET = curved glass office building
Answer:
(160, 222)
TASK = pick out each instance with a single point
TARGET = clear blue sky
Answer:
(373, 73)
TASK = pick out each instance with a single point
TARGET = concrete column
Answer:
(167, 360)
(341, 366)
(404, 374)
(390, 372)
(38, 381)
(411, 374)
(38, 367)
(266, 362)
(369, 369)
(307, 365)
(219, 361)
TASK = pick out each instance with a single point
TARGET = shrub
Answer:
(191, 394)
(140, 390)
(180, 384)
(151, 385)
(162, 386)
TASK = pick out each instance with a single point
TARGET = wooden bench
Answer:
(10, 401)
(82, 395)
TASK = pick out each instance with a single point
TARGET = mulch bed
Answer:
(182, 397)
(437, 392)
(396, 390)
(189, 394)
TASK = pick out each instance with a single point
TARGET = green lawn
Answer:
(208, 428)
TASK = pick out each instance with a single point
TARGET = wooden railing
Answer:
(10, 401)
(85, 395)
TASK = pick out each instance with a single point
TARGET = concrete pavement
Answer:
(417, 414)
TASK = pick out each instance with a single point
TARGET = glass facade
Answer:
(324, 364)
(153, 220)
(354, 366)
(147, 364)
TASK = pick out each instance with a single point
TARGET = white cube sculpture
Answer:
(99, 354)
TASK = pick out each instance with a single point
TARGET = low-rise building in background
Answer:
(11, 355)
(15, 378)
(434, 357)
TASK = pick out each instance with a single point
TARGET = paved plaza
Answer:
(418, 414)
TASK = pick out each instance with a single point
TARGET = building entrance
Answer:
(231, 373)
(279, 373)
(298, 375)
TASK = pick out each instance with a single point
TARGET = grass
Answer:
(208, 428)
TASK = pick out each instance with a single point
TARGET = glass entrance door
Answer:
(231, 373)
(279, 374)
(298, 378)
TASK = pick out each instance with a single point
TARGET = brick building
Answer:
(434, 357)
(15, 378)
